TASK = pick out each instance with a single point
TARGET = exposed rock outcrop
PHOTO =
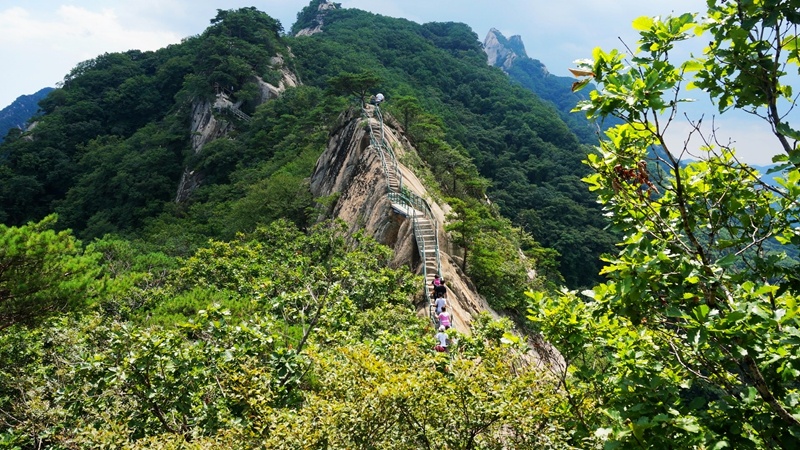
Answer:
(352, 170)
(208, 126)
(288, 79)
(503, 52)
(319, 21)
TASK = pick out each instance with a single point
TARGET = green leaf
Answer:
(643, 23)
(687, 423)
(701, 312)
(727, 260)
(674, 312)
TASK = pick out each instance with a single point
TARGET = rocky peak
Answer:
(322, 9)
(350, 170)
(501, 51)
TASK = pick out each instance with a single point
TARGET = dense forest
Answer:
(239, 317)
(471, 117)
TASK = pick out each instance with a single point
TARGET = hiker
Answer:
(437, 280)
(441, 338)
(440, 303)
(444, 318)
(378, 98)
(440, 290)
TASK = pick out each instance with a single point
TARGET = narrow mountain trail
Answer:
(409, 204)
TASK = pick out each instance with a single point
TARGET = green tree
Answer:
(697, 328)
(43, 272)
(407, 109)
(466, 222)
(492, 256)
(358, 84)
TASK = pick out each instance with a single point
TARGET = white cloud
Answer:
(40, 50)
(56, 37)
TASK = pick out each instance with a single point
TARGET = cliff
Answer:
(351, 169)
(208, 124)
(503, 52)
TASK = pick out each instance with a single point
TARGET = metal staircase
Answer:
(238, 113)
(223, 99)
(407, 203)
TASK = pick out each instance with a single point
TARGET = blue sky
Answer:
(41, 40)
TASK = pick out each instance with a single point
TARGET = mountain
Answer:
(515, 140)
(224, 244)
(509, 55)
(17, 114)
(248, 225)
(117, 146)
(504, 52)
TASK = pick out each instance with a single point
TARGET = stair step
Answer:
(425, 231)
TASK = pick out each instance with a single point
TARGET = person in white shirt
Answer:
(440, 303)
(441, 338)
(378, 98)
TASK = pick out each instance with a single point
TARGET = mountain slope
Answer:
(17, 114)
(516, 141)
(117, 139)
(221, 309)
(509, 55)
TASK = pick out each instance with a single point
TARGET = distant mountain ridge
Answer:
(509, 55)
(17, 114)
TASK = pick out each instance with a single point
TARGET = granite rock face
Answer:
(502, 52)
(351, 170)
(319, 21)
(207, 125)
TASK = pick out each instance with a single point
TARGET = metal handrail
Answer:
(421, 246)
(388, 148)
(233, 109)
(375, 144)
(406, 197)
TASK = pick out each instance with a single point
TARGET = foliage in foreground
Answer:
(43, 273)
(314, 342)
(693, 343)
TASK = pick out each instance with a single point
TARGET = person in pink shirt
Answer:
(444, 318)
